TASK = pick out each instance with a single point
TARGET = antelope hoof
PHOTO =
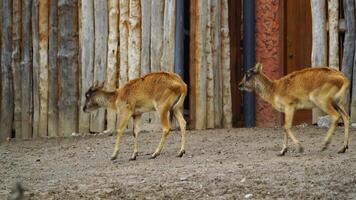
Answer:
(300, 149)
(133, 157)
(326, 144)
(343, 149)
(113, 157)
(284, 150)
(154, 155)
(181, 153)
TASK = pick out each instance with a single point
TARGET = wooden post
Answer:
(319, 49)
(134, 47)
(97, 122)
(210, 112)
(216, 54)
(146, 37)
(26, 65)
(157, 8)
(124, 34)
(169, 24)
(333, 14)
(111, 70)
(68, 66)
(225, 57)
(7, 109)
(349, 46)
(87, 59)
(43, 67)
(53, 70)
(16, 64)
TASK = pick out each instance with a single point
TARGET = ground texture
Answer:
(219, 164)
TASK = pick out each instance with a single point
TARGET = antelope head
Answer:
(248, 82)
(93, 97)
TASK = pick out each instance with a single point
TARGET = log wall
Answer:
(53, 50)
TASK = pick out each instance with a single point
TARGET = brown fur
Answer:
(309, 88)
(160, 91)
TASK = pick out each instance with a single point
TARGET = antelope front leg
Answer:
(136, 130)
(122, 125)
(289, 112)
(285, 143)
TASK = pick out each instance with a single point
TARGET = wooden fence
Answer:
(53, 50)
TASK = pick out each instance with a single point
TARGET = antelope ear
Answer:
(258, 67)
(101, 85)
(95, 84)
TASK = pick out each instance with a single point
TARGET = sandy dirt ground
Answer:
(219, 164)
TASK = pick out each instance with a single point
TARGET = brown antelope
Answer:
(322, 87)
(160, 91)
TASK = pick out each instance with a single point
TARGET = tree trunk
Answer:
(134, 47)
(26, 65)
(333, 13)
(68, 66)
(124, 34)
(111, 70)
(210, 120)
(225, 53)
(216, 54)
(43, 69)
(87, 59)
(157, 8)
(319, 50)
(16, 64)
(53, 70)
(6, 115)
(169, 25)
(146, 37)
(97, 122)
(349, 46)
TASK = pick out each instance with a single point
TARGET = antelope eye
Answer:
(87, 95)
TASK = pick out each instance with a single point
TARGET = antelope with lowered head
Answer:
(309, 88)
(161, 91)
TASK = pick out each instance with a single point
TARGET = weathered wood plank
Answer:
(134, 47)
(53, 70)
(97, 121)
(157, 9)
(319, 50)
(87, 59)
(124, 35)
(216, 54)
(28, 10)
(146, 37)
(16, 64)
(210, 120)
(43, 67)
(169, 25)
(7, 108)
(112, 67)
(68, 66)
(333, 14)
(349, 46)
(192, 63)
(225, 58)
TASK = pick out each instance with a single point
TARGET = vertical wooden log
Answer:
(216, 54)
(16, 64)
(210, 120)
(43, 69)
(225, 53)
(7, 109)
(157, 8)
(146, 37)
(124, 33)
(53, 70)
(319, 50)
(26, 65)
(333, 14)
(169, 25)
(111, 70)
(68, 66)
(134, 47)
(348, 56)
(87, 59)
(97, 122)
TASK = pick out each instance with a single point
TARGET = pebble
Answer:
(247, 196)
